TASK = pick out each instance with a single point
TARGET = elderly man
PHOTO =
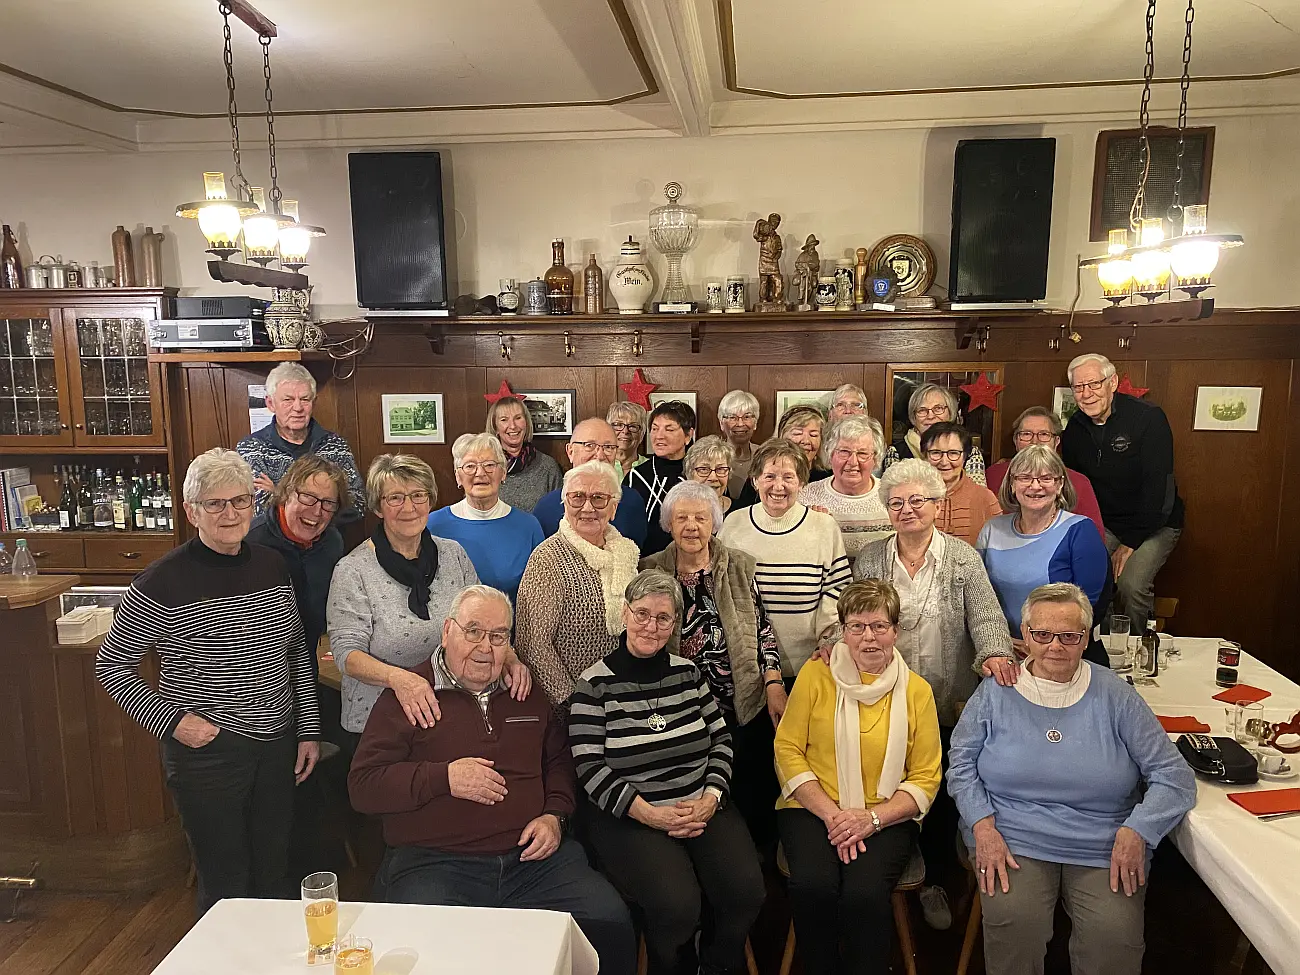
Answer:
(474, 808)
(290, 395)
(594, 439)
(1125, 447)
(1039, 425)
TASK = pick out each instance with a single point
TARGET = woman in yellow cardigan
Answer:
(857, 754)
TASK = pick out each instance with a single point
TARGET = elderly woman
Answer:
(236, 700)
(738, 415)
(709, 462)
(1039, 541)
(653, 755)
(391, 594)
(1065, 784)
(852, 451)
(799, 553)
(529, 473)
(929, 404)
(805, 425)
(497, 538)
(569, 609)
(951, 631)
(857, 754)
(672, 428)
(628, 420)
(848, 400)
(966, 505)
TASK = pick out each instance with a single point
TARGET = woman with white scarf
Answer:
(857, 755)
(569, 612)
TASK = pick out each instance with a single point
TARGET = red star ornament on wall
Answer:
(1126, 386)
(982, 393)
(505, 392)
(638, 390)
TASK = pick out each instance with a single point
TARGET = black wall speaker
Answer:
(397, 229)
(1001, 219)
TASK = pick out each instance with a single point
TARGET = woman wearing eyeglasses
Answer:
(849, 495)
(966, 505)
(1039, 540)
(628, 420)
(709, 462)
(805, 425)
(738, 415)
(391, 594)
(847, 400)
(654, 757)
(569, 608)
(929, 404)
(1065, 784)
(497, 538)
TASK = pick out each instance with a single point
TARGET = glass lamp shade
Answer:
(1152, 231)
(295, 242)
(220, 223)
(1151, 270)
(1194, 260)
(1115, 275)
(261, 232)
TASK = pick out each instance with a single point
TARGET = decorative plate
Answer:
(910, 258)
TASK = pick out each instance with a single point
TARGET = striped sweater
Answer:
(229, 639)
(801, 569)
(619, 755)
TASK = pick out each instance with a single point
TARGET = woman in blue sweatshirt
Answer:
(1048, 777)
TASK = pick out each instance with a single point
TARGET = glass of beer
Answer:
(355, 956)
(320, 905)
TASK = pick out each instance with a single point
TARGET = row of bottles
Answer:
(92, 500)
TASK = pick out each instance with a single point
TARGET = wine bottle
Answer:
(168, 524)
(85, 500)
(1149, 664)
(121, 515)
(137, 503)
(147, 503)
(67, 502)
(11, 265)
(103, 500)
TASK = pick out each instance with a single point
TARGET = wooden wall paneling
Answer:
(873, 384)
(74, 721)
(1027, 384)
(583, 380)
(1286, 563)
(709, 383)
(18, 785)
(112, 786)
(766, 380)
(42, 692)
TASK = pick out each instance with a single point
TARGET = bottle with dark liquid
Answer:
(68, 502)
(11, 265)
(103, 495)
(1148, 663)
(85, 500)
(559, 282)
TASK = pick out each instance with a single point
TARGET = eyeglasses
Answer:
(721, 471)
(1095, 385)
(475, 634)
(604, 448)
(857, 629)
(1029, 436)
(578, 499)
(643, 617)
(935, 411)
(916, 503)
(619, 426)
(742, 417)
(849, 405)
(310, 500)
(1046, 480)
(1071, 638)
(488, 467)
(938, 455)
(214, 506)
(397, 499)
(861, 456)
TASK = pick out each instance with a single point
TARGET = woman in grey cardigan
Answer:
(951, 631)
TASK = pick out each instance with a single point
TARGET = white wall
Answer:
(850, 189)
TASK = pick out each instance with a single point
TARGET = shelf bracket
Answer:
(697, 336)
(505, 349)
(568, 345)
(437, 338)
(637, 347)
(971, 328)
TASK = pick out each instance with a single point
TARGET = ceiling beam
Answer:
(261, 24)
(64, 119)
(670, 33)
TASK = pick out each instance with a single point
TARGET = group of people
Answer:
(621, 690)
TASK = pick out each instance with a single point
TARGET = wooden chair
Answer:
(643, 958)
(975, 920)
(1165, 607)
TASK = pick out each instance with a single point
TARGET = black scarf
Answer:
(515, 465)
(415, 573)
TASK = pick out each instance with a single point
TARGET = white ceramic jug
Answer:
(631, 284)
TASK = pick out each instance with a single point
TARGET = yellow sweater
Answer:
(805, 739)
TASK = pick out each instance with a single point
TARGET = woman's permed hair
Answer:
(214, 467)
(870, 596)
(910, 471)
(387, 468)
(776, 449)
(690, 491)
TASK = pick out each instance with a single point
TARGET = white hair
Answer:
(846, 389)
(850, 428)
(1107, 367)
(214, 467)
(925, 389)
(289, 372)
(481, 592)
(690, 491)
(1065, 593)
(910, 471)
(595, 468)
(738, 401)
(473, 443)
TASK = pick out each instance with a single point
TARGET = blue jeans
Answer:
(1135, 589)
(562, 882)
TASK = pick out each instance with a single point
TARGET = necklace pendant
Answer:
(658, 722)
(1054, 736)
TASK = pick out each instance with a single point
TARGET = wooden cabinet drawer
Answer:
(125, 553)
(50, 550)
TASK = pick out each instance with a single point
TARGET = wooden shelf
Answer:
(259, 355)
(112, 533)
(71, 450)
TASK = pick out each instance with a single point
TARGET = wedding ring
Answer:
(983, 870)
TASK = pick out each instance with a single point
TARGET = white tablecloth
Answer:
(1253, 867)
(268, 937)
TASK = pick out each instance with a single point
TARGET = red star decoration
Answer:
(505, 392)
(1126, 386)
(638, 390)
(982, 393)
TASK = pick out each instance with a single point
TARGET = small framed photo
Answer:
(413, 418)
(551, 409)
(1227, 408)
(786, 398)
(1063, 404)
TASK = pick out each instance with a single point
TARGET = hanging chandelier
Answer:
(1141, 261)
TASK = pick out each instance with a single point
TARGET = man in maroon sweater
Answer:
(474, 807)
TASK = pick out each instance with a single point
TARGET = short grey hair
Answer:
(596, 468)
(910, 471)
(738, 401)
(214, 467)
(924, 390)
(1107, 367)
(1050, 416)
(655, 582)
(1064, 593)
(1036, 459)
(398, 467)
(629, 412)
(706, 448)
(851, 428)
(474, 443)
(845, 389)
(289, 372)
(690, 491)
(481, 592)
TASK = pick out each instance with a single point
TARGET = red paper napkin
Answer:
(1183, 724)
(1266, 801)
(1243, 694)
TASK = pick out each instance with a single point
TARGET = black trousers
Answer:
(843, 920)
(712, 882)
(939, 829)
(754, 788)
(235, 799)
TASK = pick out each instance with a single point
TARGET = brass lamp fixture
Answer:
(295, 238)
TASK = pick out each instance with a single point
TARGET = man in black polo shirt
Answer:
(1125, 447)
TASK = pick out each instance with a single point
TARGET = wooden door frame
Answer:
(147, 312)
(997, 368)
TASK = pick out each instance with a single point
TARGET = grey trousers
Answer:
(1135, 589)
(1107, 927)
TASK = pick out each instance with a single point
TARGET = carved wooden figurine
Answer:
(807, 268)
(771, 285)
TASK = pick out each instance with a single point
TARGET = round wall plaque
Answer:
(910, 259)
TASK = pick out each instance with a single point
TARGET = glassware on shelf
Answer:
(111, 329)
(97, 417)
(673, 229)
(6, 378)
(141, 418)
(92, 378)
(115, 378)
(88, 338)
(138, 377)
(20, 338)
(24, 377)
(136, 344)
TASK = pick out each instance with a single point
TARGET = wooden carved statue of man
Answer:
(771, 285)
(807, 266)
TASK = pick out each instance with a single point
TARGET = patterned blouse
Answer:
(705, 643)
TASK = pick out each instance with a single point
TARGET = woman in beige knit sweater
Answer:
(569, 610)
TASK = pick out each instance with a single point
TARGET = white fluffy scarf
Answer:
(849, 693)
(615, 564)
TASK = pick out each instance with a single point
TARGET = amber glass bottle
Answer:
(11, 265)
(559, 282)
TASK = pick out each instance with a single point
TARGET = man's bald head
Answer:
(592, 439)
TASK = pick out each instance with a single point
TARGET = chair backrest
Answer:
(1164, 608)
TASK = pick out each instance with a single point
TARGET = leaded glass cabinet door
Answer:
(34, 401)
(117, 395)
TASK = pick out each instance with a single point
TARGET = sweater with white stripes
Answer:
(615, 710)
(229, 640)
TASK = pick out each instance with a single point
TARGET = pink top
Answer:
(1086, 505)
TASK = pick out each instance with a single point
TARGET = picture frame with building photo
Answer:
(413, 418)
(1063, 403)
(786, 398)
(1228, 408)
(551, 410)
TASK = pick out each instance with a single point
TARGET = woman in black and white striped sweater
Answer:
(653, 755)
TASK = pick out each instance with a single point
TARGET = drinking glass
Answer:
(1117, 648)
(320, 904)
(355, 956)
(1242, 727)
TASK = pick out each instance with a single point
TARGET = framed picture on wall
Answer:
(1063, 404)
(1227, 408)
(786, 398)
(413, 418)
(551, 409)
(903, 379)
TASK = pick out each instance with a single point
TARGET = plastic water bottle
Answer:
(24, 564)
(6, 563)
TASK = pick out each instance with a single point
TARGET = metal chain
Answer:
(1184, 83)
(1144, 117)
(242, 189)
(275, 195)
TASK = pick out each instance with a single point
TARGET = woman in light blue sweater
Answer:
(1047, 775)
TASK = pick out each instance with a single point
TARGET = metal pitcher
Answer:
(56, 272)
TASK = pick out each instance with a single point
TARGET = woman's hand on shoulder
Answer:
(518, 678)
(992, 858)
(416, 697)
(1002, 669)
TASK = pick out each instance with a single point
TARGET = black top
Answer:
(653, 479)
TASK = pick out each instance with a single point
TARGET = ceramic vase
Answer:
(631, 284)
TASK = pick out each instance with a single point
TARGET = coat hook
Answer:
(637, 348)
(568, 344)
(505, 349)
(1126, 341)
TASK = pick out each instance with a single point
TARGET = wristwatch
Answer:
(564, 821)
